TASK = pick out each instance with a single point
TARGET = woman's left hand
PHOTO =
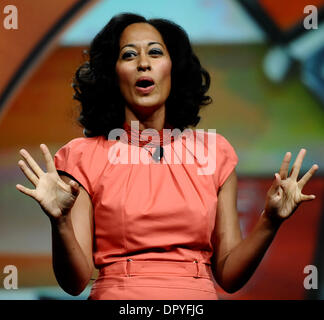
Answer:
(285, 194)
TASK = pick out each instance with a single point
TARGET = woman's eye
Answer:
(156, 52)
(128, 54)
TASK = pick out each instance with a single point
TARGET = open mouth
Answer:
(144, 83)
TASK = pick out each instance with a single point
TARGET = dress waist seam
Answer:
(130, 267)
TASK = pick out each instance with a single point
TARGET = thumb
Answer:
(75, 189)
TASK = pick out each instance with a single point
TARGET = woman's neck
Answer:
(155, 120)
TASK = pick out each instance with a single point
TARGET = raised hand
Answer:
(285, 194)
(55, 197)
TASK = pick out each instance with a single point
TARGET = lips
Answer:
(145, 85)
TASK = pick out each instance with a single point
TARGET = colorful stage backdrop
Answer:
(260, 119)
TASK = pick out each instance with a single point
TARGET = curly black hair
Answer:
(96, 86)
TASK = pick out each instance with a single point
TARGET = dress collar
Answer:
(148, 137)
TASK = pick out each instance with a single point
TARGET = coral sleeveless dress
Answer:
(153, 219)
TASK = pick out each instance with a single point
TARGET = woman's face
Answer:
(143, 68)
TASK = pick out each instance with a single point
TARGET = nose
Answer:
(143, 63)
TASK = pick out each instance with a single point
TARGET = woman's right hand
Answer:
(55, 197)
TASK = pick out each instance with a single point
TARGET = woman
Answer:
(151, 230)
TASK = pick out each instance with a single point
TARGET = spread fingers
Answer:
(32, 163)
(283, 172)
(28, 173)
(297, 164)
(50, 166)
(27, 191)
(306, 177)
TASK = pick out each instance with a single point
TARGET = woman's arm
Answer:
(69, 209)
(235, 259)
(72, 245)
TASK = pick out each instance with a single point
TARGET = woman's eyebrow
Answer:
(134, 45)
(155, 42)
(128, 45)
